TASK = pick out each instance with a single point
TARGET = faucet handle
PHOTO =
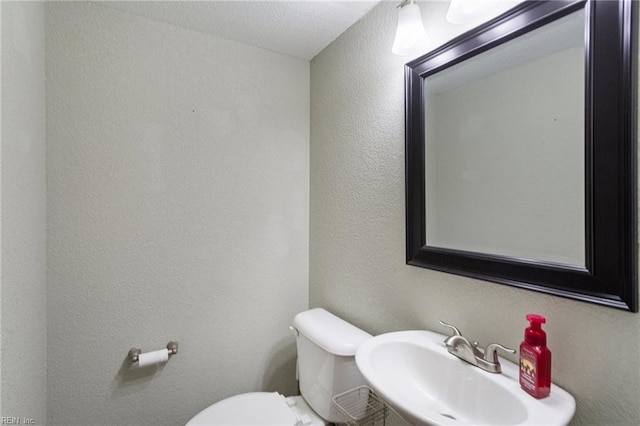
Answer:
(490, 352)
(456, 331)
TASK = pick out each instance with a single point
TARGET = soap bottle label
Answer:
(528, 369)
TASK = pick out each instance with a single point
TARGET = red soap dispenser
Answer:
(535, 359)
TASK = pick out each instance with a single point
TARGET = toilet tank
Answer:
(326, 358)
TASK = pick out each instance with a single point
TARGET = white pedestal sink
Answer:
(416, 375)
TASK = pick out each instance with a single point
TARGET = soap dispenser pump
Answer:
(535, 359)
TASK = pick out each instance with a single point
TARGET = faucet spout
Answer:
(462, 348)
(486, 359)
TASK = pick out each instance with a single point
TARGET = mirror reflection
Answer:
(504, 152)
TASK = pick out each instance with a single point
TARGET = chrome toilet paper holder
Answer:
(134, 353)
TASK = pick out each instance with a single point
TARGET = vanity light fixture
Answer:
(465, 11)
(410, 36)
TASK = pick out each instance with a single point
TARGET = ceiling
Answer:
(298, 28)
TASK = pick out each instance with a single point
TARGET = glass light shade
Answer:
(465, 11)
(410, 36)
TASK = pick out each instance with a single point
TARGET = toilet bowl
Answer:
(258, 408)
(326, 348)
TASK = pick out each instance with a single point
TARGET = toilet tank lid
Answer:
(331, 333)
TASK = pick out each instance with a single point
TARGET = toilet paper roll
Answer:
(152, 358)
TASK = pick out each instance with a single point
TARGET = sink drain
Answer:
(448, 416)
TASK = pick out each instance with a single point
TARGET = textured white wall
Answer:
(23, 306)
(357, 235)
(177, 168)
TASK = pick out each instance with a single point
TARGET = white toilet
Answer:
(326, 367)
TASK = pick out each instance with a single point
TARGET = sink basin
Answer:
(416, 375)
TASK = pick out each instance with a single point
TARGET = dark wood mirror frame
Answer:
(610, 275)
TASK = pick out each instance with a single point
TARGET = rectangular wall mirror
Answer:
(521, 152)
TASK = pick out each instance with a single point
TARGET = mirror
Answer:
(520, 152)
(534, 166)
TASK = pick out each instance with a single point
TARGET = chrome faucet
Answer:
(484, 358)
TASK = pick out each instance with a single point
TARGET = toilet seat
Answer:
(258, 408)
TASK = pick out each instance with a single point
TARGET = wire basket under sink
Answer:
(362, 407)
